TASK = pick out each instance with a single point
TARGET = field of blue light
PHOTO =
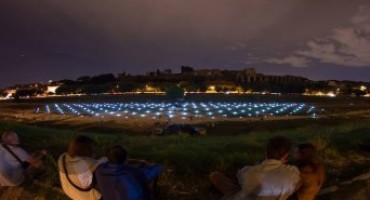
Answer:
(182, 110)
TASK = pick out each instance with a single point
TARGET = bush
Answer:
(174, 93)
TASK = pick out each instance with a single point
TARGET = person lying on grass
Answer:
(16, 165)
(272, 179)
(122, 178)
(76, 168)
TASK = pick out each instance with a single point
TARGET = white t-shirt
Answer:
(80, 172)
(11, 171)
(269, 180)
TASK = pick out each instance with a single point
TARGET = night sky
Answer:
(42, 40)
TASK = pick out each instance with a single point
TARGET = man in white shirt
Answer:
(14, 160)
(273, 179)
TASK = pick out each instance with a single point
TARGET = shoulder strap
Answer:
(13, 154)
(93, 183)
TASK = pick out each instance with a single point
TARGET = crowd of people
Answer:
(117, 177)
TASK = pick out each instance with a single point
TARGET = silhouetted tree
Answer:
(175, 93)
(84, 79)
(104, 78)
(97, 88)
(128, 86)
(27, 92)
(199, 83)
(186, 69)
(67, 89)
(359, 93)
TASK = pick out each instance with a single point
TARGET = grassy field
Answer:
(340, 133)
(188, 160)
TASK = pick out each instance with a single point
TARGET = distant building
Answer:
(249, 75)
(208, 72)
(9, 93)
(221, 86)
(336, 84)
(51, 89)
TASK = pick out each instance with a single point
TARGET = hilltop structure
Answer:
(248, 75)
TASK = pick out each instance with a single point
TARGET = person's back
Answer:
(76, 170)
(16, 165)
(79, 172)
(120, 181)
(312, 171)
(312, 181)
(11, 170)
(271, 179)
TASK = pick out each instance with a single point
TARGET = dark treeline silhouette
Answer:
(191, 80)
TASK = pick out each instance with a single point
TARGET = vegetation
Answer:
(188, 160)
(175, 93)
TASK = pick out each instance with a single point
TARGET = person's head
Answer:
(117, 155)
(305, 151)
(81, 146)
(278, 148)
(305, 155)
(10, 138)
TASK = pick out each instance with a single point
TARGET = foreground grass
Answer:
(188, 160)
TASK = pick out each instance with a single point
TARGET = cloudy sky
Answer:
(53, 39)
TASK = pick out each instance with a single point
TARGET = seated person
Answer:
(76, 168)
(119, 179)
(272, 179)
(15, 162)
(312, 171)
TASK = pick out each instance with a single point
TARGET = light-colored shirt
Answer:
(11, 170)
(80, 172)
(270, 180)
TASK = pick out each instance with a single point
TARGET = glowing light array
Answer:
(187, 110)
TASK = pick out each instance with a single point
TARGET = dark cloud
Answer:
(51, 39)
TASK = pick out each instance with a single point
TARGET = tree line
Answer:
(110, 84)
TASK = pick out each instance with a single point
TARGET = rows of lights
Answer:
(186, 110)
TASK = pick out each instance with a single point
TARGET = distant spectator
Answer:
(121, 179)
(273, 179)
(76, 168)
(16, 164)
(312, 171)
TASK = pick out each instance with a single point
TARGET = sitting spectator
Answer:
(76, 168)
(124, 179)
(15, 163)
(312, 171)
(272, 179)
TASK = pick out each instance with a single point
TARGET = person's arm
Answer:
(321, 176)
(151, 172)
(93, 164)
(35, 159)
(240, 175)
(299, 179)
(298, 185)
